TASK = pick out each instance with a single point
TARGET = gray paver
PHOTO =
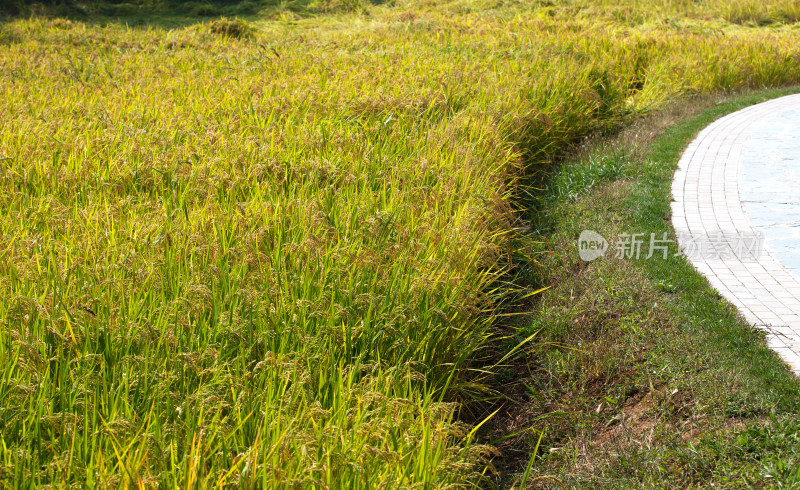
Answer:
(740, 179)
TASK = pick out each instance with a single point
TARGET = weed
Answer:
(234, 28)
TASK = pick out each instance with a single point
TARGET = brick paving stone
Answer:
(740, 179)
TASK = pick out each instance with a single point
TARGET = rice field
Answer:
(268, 253)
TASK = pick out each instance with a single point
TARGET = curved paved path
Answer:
(736, 213)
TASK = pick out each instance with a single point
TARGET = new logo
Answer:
(591, 245)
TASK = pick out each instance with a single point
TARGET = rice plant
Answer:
(265, 254)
